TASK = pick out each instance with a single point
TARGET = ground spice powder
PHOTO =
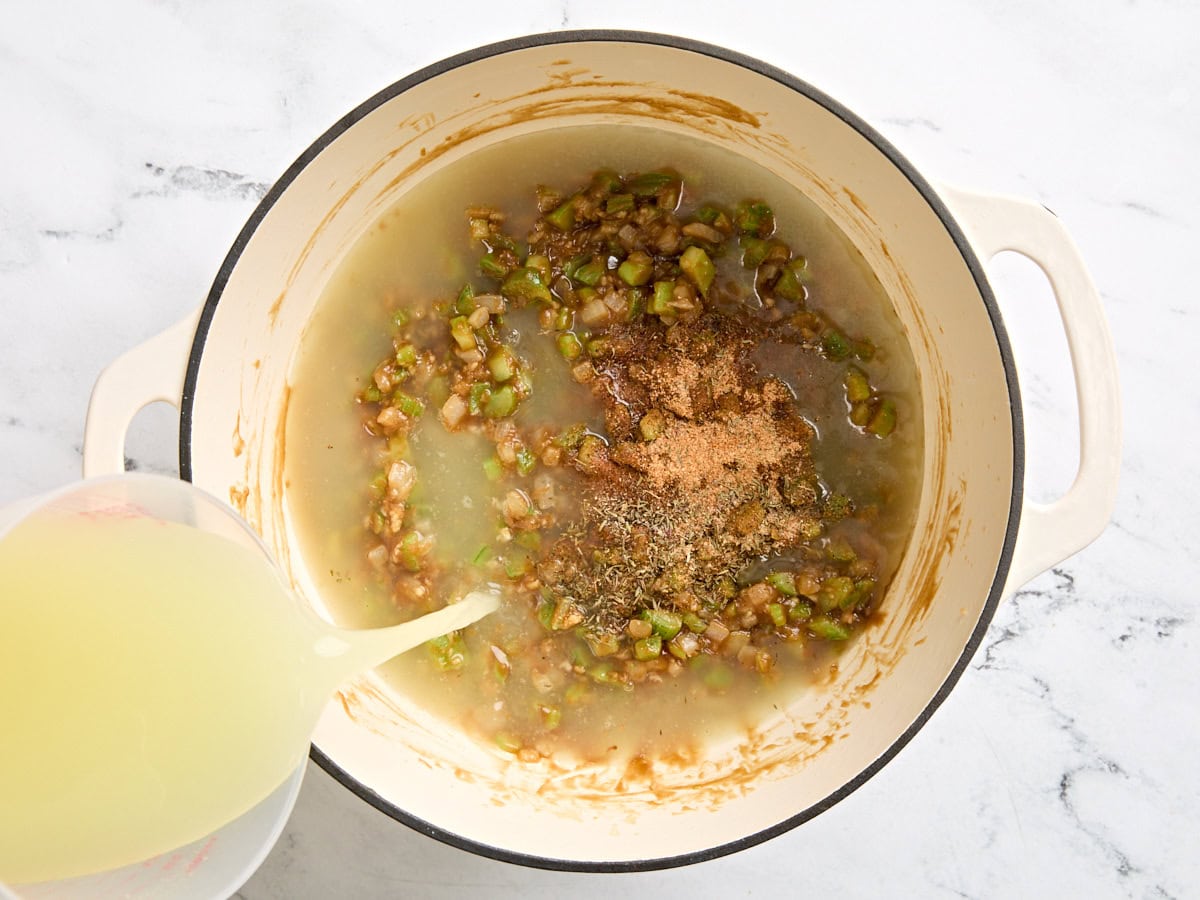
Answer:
(727, 478)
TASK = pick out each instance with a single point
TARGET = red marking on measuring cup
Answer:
(201, 855)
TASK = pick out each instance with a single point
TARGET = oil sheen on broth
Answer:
(700, 660)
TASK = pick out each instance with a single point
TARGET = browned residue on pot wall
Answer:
(239, 443)
(277, 508)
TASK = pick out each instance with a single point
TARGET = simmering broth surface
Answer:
(420, 253)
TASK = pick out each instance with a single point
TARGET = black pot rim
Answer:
(928, 194)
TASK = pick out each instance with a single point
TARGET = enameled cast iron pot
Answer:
(976, 536)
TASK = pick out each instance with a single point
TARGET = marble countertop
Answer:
(139, 136)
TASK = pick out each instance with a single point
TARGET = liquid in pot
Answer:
(499, 679)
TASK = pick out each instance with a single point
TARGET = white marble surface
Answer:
(138, 137)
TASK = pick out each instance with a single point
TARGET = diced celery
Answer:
(863, 588)
(540, 264)
(858, 388)
(784, 582)
(790, 285)
(493, 468)
(563, 218)
(837, 506)
(652, 424)
(619, 203)
(464, 304)
(406, 355)
(462, 332)
(506, 741)
(801, 611)
(604, 673)
(835, 344)
(501, 403)
(569, 345)
(525, 285)
(491, 266)
(572, 436)
(564, 615)
(605, 181)
(648, 648)
(834, 592)
(665, 624)
(602, 645)
(635, 305)
(580, 656)
(409, 405)
(598, 346)
(410, 551)
(829, 629)
(754, 251)
(502, 363)
(677, 650)
(637, 269)
(839, 550)
(590, 272)
(883, 422)
(522, 384)
(526, 461)
(754, 218)
(573, 265)
(516, 565)
(449, 653)
(697, 266)
(530, 540)
(590, 451)
(649, 184)
(478, 396)
(660, 301)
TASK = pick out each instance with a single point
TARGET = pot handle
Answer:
(1050, 532)
(150, 372)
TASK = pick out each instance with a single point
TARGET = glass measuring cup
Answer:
(157, 677)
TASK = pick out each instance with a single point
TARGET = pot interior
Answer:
(831, 738)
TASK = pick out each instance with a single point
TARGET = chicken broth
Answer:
(644, 387)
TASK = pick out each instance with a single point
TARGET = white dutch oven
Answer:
(976, 536)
